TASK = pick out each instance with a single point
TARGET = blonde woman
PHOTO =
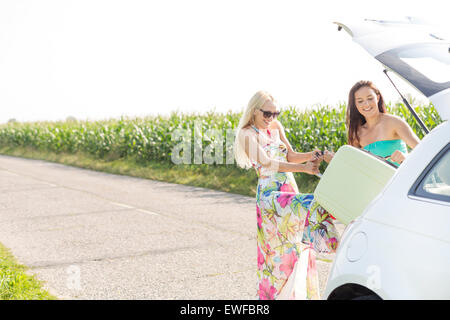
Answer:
(290, 226)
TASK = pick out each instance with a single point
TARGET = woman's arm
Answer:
(257, 154)
(292, 156)
(328, 156)
(404, 132)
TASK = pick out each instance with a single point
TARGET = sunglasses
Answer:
(268, 114)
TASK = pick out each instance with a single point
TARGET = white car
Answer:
(399, 247)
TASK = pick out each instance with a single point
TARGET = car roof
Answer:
(413, 50)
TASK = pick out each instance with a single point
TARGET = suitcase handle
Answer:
(382, 159)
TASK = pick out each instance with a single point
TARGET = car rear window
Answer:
(435, 184)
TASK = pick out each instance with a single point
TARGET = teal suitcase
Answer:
(351, 181)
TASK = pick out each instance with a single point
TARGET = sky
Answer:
(101, 59)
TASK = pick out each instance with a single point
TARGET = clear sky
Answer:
(97, 59)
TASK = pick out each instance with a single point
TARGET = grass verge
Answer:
(227, 178)
(15, 283)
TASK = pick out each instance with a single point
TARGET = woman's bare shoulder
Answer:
(394, 121)
(276, 124)
(391, 117)
(247, 131)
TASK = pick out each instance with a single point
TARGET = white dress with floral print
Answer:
(291, 227)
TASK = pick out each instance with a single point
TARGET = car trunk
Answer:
(415, 52)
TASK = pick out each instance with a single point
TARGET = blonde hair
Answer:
(255, 103)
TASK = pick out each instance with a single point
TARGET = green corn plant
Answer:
(150, 138)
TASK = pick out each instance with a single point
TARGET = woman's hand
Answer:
(398, 156)
(301, 157)
(328, 156)
(310, 168)
(317, 155)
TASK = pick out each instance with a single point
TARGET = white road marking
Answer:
(137, 209)
(122, 205)
(50, 184)
(147, 212)
(9, 172)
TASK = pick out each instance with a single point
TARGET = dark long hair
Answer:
(354, 120)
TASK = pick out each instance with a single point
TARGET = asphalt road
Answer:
(93, 235)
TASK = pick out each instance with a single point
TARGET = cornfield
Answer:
(150, 138)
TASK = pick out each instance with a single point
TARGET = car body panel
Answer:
(414, 268)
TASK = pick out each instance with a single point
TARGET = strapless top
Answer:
(385, 148)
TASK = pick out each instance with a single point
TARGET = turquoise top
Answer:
(385, 148)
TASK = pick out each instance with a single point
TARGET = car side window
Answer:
(435, 184)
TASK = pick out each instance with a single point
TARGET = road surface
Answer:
(93, 235)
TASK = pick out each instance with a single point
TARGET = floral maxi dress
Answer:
(291, 228)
